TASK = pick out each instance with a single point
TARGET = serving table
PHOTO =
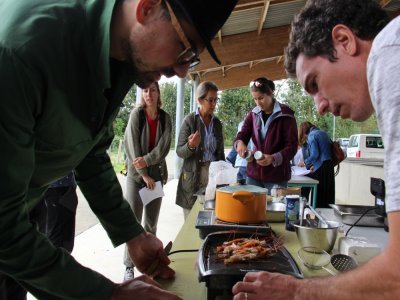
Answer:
(305, 181)
(186, 284)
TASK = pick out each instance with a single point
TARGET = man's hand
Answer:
(142, 287)
(144, 250)
(264, 285)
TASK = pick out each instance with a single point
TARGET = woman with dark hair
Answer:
(147, 143)
(200, 142)
(272, 128)
(317, 154)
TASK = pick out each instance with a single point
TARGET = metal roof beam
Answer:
(263, 16)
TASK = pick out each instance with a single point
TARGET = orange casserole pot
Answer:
(242, 204)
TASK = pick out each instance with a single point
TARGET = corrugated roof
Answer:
(244, 23)
(282, 14)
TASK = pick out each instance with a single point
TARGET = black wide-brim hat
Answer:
(207, 17)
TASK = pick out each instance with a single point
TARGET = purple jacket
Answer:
(280, 141)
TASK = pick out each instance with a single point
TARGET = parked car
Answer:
(366, 146)
(343, 142)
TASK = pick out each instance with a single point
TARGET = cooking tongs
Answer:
(322, 223)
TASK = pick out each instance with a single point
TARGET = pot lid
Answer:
(247, 187)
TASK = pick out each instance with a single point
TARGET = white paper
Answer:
(149, 195)
(299, 171)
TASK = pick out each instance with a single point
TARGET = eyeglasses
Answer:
(255, 83)
(189, 55)
(212, 100)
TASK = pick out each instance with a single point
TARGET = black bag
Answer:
(337, 155)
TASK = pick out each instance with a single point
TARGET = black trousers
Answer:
(10, 289)
(326, 186)
(61, 204)
(55, 217)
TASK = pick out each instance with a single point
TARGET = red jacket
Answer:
(280, 141)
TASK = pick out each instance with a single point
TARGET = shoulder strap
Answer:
(142, 119)
(162, 120)
(194, 122)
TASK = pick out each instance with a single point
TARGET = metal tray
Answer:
(351, 213)
(206, 223)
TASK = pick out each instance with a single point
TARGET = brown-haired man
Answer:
(348, 61)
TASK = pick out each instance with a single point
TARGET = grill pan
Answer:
(220, 278)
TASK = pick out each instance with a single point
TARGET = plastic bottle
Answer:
(258, 155)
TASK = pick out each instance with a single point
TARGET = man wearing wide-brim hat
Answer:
(65, 67)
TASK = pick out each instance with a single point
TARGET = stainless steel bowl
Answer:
(275, 212)
(311, 236)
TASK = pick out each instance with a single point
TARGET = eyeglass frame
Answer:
(192, 56)
(212, 101)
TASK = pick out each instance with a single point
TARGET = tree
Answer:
(122, 119)
(232, 109)
(291, 93)
(236, 103)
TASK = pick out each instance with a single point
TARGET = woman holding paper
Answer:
(147, 143)
(200, 142)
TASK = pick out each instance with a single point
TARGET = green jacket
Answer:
(190, 174)
(57, 107)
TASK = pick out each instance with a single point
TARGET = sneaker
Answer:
(129, 275)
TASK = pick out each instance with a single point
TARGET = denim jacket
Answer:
(319, 148)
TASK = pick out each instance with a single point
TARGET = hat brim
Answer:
(176, 5)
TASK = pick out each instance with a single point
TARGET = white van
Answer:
(366, 146)
(343, 142)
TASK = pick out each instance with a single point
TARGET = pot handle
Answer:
(243, 196)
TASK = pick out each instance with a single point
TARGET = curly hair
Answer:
(312, 27)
